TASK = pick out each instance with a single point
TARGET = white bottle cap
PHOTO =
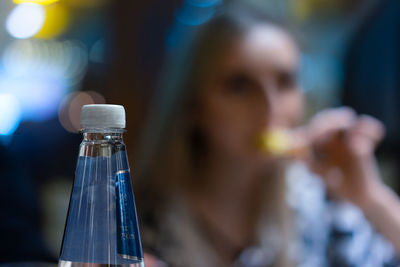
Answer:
(102, 116)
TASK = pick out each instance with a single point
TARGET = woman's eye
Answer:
(239, 84)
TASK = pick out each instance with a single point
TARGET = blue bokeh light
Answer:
(10, 114)
(40, 73)
(204, 3)
(195, 15)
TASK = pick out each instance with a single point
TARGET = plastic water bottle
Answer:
(101, 227)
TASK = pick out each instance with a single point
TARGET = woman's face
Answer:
(253, 88)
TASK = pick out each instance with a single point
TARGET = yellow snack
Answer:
(276, 142)
(281, 142)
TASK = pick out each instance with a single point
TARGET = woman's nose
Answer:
(271, 110)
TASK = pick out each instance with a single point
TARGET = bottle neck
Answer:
(106, 134)
(101, 142)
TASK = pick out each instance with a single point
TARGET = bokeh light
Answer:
(194, 15)
(97, 52)
(25, 20)
(39, 2)
(40, 73)
(204, 3)
(191, 14)
(10, 114)
(38, 96)
(75, 61)
(56, 21)
(69, 113)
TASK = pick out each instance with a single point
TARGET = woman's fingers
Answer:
(331, 120)
(365, 135)
(369, 127)
(337, 131)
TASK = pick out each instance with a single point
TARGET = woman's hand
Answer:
(343, 153)
(344, 145)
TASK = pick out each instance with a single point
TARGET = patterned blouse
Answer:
(332, 233)
(329, 233)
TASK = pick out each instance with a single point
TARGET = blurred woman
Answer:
(210, 195)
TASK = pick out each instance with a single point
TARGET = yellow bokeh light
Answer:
(39, 2)
(56, 21)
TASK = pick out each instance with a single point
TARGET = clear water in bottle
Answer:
(101, 227)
